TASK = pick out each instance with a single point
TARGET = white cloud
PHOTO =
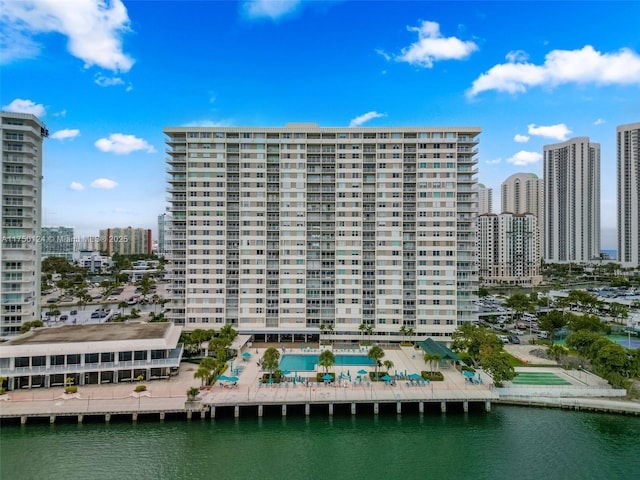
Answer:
(272, 9)
(493, 162)
(356, 122)
(121, 144)
(517, 56)
(384, 54)
(432, 46)
(61, 113)
(104, 183)
(93, 29)
(107, 81)
(599, 121)
(521, 138)
(20, 105)
(66, 133)
(76, 186)
(584, 66)
(556, 132)
(525, 158)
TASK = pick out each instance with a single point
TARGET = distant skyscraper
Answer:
(508, 250)
(572, 201)
(524, 193)
(164, 231)
(21, 192)
(485, 199)
(58, 242)
(126, 241)
(628, 153)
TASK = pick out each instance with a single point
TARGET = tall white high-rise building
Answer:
(21, 192)
(628, 154)
(278, 231)
(508, 249)
(485, 199)
(524, 193)
(572, 201)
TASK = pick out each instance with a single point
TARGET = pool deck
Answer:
(169, 396)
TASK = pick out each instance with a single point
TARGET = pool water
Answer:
(305, 363)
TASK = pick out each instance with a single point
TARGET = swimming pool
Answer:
(305, 363)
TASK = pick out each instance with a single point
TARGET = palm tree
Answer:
(323, 327)
(376, 354)
(122, 305)
(432, 359)
(271, 360)
(155, 299)
(410, 333)
(369, 332)
(362, 328)
(388, 364)
(330, 328)
(403, 332)
(327, 360)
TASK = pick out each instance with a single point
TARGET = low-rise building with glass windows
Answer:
(91, 354)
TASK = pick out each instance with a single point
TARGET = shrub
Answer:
(192, 393)
(71, 389)
(2, 391)
(433, 376)
(275, 378)
(465, 368)
(372, 376)
(141, 388)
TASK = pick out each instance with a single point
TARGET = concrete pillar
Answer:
(284, 409)
(443, 407)
(236, 411)
(487, 406)
(376, 408)
(47, 380)
(307, 409)
(162, 416)
(79, 418)
(52, 419)
(23, 420)
(134, 416)
(399, 407)
(465, 406)
(331, 409)
(107, 417)
(213, 412)
(260, 410)
(353, 408)
(421, 407)
(115, 376)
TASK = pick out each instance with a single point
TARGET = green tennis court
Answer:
(538, 378)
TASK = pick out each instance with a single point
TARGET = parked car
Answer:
(514, 339)
(515, 331)
(503, 338)
(543, 335)
(498, 326)
(52, 300)
(95, 315)
(73, 312)
(64, 317)
(97, 297)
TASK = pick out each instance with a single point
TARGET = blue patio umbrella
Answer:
(327, 377)
(414, 376)
(468, 374)
(223, 378)
(362, 372)
(286, 372)
(232, 379)
(246, 355)
(387, 378)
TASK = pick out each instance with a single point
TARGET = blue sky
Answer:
(107, 76)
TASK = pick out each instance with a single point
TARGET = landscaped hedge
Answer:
(432, 376)
(71, 389)
(141, 388)
(372, 376)
(275, 377)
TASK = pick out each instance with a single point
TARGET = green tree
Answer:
(583, 342)
(122, 305)
(552, 321)
(591, 323)
(228, 332)
(369, 332)
(433, 360)
(403, 332)
(376, 354)
(363, 328)
(388, 364)
(618, 311)
(410, 333)
(471, 338)
(271, 359)
(497, 363)
(584, 300)
(203, 374)
(326, 360)
(26, 326)
(557, 352)
(483, 292)
(520, 303)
